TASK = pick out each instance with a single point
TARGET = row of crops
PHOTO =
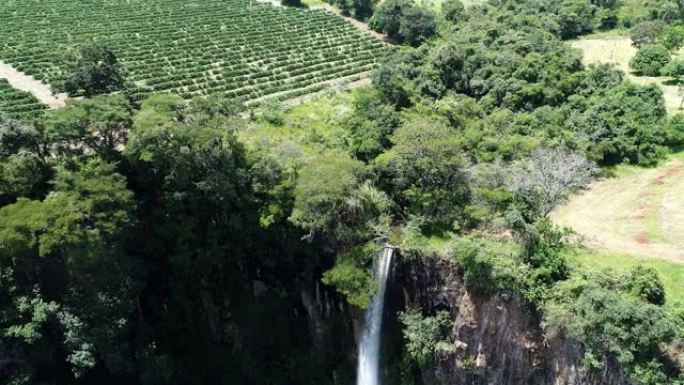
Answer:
(17, 104)
(190, 47)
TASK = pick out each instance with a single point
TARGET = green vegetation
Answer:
(423, 334)
(93, 71)
(404, 22)
(671, 273)
(610, 319)
(169, 238)
(233, 48)
(359, 9)
(17, 104)
(650, 60)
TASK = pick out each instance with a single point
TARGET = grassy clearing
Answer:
(615, 47)
(310, 128)
(637, 211)
(671, 273)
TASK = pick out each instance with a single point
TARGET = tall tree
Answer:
(94, 70)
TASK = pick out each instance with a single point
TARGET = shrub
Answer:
(422, 334)
(646, 33)
(453, 10)
(352, 276)
(644, 283)
(673, 37)
(650, 60)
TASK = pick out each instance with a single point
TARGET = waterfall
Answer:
(368, 372)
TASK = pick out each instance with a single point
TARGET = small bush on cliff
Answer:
(422, 334)
(490, 265)
(351, 275)
(545, 256)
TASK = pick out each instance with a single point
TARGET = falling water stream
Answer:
(368, 372)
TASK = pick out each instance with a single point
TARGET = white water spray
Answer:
(368, 372)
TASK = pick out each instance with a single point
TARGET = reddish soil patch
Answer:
(642, 238)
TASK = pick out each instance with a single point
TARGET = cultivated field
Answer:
(639, 212)
(236, 48)
(17, 104)
(618, 50)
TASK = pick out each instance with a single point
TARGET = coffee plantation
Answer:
(17, 104)
(233, 48)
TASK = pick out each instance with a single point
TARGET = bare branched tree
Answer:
(548, 177)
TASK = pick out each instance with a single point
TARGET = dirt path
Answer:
(640, 212)
(363, 27)
(23, 82)
(618, 50)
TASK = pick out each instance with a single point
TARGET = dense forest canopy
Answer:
(168, 241)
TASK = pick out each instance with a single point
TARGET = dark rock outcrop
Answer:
(497, 340)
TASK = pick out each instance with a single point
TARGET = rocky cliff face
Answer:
(496, 340)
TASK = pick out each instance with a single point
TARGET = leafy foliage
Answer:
(351, 275)
(650, 60)
(426, 171)
(404, 22)
(94, 70)
(623, 327)
(422, 334)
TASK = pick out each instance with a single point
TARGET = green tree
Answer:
(371, 124)
(417, 26)
(94, 70)
(650, 60)
(81, 225)
(612, 325)
(363, 9)
(453, 10)
(332, 200)
(98, 125)
(575, 17)
(21, 175)
(292, 3)
(404, 22)
(426, 171)
(673, 37)
(626, 124)
(387, 17)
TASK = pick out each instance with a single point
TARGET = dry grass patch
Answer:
(638, 212)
